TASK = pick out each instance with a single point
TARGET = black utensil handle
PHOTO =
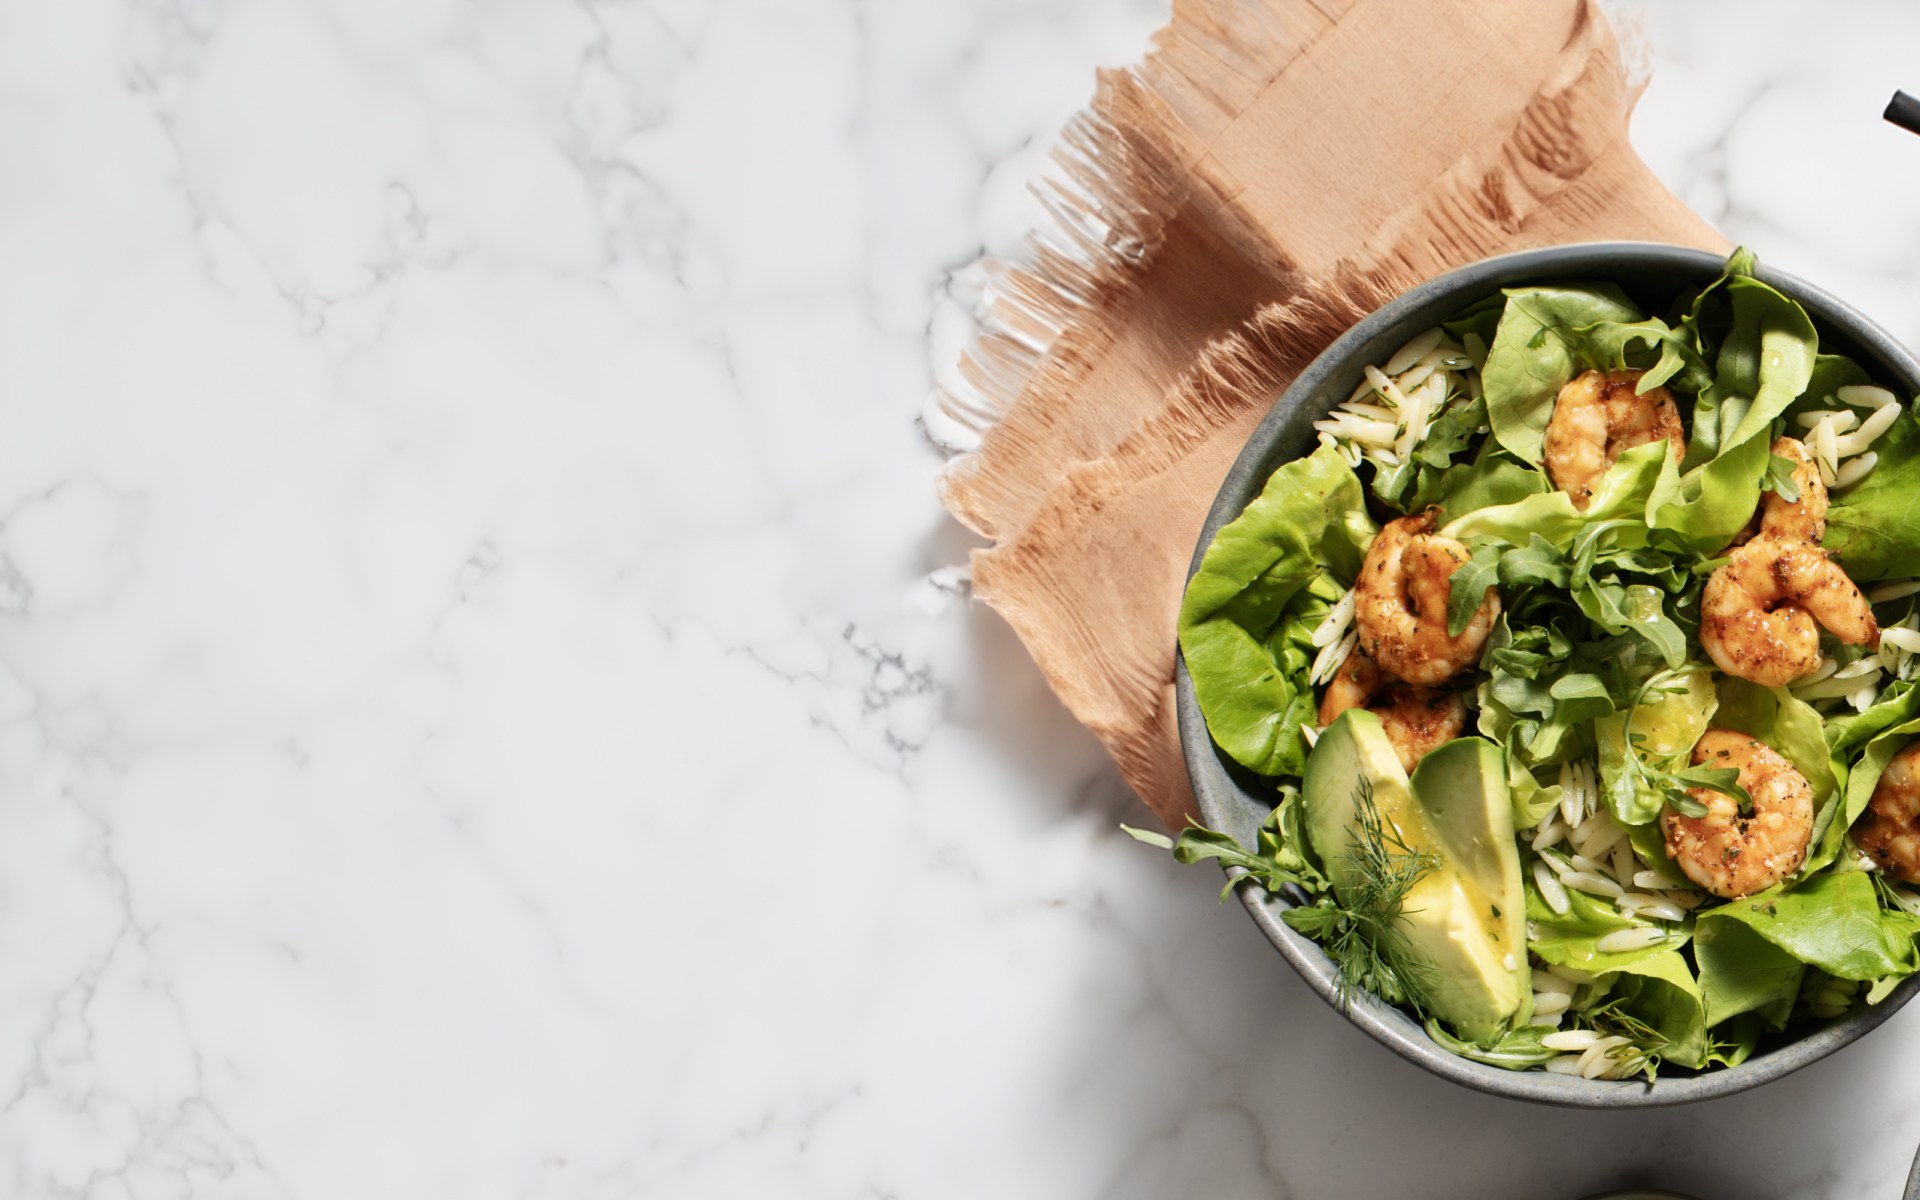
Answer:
(1903, 110)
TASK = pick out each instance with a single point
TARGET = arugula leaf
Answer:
(1780, 480)
(1280, 860)
(1516, 1050)
(1467, 586)
(1539, 563)
(1725, 780)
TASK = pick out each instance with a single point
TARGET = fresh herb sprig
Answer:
(1363, 934)
(1779, 478)
(1645, 1044)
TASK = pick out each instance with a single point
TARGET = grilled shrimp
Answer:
(1733, 855)
(1758, 612)
(1805, 518)
(1598, 417)
(1400, 604)
(1415, 719)
(1889, 830)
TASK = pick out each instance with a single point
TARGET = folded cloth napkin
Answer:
(1274, 170)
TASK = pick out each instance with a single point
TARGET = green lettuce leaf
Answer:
(1571, 939)
(1847, 731)
(1623, 492)
(1535, 352)
(1740, 971)
(1765, 363)
(1832, 921)
(1668, 726)
(1268, 578)
(1873, 528)
(1704, 508)
(1491, 480)
(1481, 319)
(1659, 989)
(1665, 355)
(1831, 372)
(1862, 777)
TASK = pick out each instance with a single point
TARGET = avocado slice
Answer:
(1465, 918)
(1462, 788)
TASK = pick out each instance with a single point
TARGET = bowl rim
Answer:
(1214, 789)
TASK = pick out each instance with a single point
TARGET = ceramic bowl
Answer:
(1227, 795)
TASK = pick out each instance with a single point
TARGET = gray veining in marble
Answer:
(408, 790)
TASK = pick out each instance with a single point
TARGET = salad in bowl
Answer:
(1574, 665)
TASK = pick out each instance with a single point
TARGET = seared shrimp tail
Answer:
(1760, 613)
(1400, 604)
(1732, 854)
(1416, 719)
(1598, 417)
(1889, 830)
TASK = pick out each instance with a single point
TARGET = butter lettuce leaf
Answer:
(1833, 921)
(1764, 364)
(1269, 577)
(1862, 777)
(1623, 492)
(1660, 991)
(1535, 352)
(1740, 972)
(1873, 528)
(1571, 939)
(1848, 731)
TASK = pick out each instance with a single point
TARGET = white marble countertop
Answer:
(474, 717)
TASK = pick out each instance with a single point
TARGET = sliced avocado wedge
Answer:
(1464, 919)
(1462, 788)
(1351, 749)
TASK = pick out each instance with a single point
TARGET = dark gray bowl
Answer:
(1654, 274)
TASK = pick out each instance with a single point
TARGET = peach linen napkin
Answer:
(1274, 170)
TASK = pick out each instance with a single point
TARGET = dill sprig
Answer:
(1362, 934)
(1642, 1054)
